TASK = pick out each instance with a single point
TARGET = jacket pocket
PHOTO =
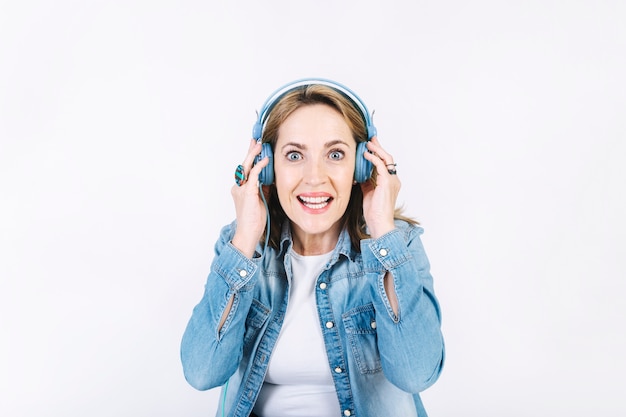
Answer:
(257, 316)
(360, 325)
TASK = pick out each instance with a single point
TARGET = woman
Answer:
(319, 302)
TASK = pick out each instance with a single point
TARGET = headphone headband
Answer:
(257, 130)
(363, 167)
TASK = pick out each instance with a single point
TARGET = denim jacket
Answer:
(379, 360)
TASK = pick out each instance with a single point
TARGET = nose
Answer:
(315, 172)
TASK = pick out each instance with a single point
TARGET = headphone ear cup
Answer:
(266, 176)
(257, 130)
(371, 131)
(363, 167)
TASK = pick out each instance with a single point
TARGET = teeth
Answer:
(315, 202)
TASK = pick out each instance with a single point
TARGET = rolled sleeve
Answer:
(385, 253)
(235, 268)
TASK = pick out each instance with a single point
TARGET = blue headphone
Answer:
(363, 168)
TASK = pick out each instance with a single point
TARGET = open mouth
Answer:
(315, 203)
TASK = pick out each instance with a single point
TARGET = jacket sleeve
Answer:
(211, 355)
(410, 342)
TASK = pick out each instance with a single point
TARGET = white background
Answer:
(121, 123)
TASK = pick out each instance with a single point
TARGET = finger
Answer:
(381, 160)
(253, 175)
(384, 170)
(376, 160)
(253, 150)
(243, 171)
(374, 146)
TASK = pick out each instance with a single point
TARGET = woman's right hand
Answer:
(249, 208)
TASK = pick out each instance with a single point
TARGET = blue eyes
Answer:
(334, 155)
(294, 156)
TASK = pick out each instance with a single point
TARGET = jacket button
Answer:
(383, 252)
(323, 285)
(243, 273)
(329, 324)
(373, 324)
(338, 370)
(347, 413)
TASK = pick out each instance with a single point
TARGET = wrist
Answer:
(246, 245)
(381, 230)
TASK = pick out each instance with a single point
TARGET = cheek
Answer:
(347, 176)
(344, 185)
(284, 186)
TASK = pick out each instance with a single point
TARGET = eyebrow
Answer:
(327, 144)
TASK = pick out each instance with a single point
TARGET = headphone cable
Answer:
(267, 212)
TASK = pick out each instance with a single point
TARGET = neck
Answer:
(308, 244)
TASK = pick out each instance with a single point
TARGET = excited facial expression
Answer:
(314, 160)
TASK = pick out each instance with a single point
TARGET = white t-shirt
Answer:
(298, 382)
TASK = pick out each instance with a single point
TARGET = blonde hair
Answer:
(309, 95)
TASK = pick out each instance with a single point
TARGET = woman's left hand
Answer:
(379, 197)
